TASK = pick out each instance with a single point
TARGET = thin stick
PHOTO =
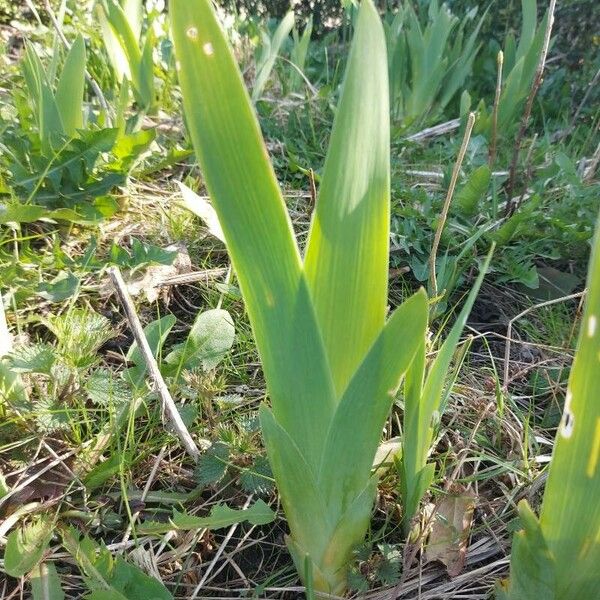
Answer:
(167, 402)
(92, 82)
(193, 277)
(220, 551)
(434, 131)
(591, 87)
(494, 136)
(451, 187)
(537, 81)
(519, 316)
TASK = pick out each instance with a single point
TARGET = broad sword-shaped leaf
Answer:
(332, 363)
(253, 216)
(348, 247)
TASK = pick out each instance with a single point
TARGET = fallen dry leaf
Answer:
(150, 284)
(202, 208)
(450, 532)
(384, 457)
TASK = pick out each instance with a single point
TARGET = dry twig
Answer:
(167, 402)
(519, 316)
(444, 215)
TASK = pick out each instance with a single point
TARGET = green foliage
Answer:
(141, 254)
(156, 333)
(79, 334)
(560, 203)
(220, 516)
(110, 578)
(299, 53)
(520, 63)
(131, 59)
(319, 324)
(332, 356)
(206, 345)
(380, 565)
(430, 59)
(70, 89)
(213, 464)
(269, 51)
(45, 583)
(105, 388)
(423, 406)
(63, 374)
(236, 456)
(68, 182)
(33, 358)
(26, 546)
(57, 113)
(57, 162)
(473, 191)
(208, 341)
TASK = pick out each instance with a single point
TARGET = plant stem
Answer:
(449, 194)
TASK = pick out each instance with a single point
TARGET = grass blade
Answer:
(423, 396)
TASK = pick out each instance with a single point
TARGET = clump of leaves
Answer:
(65, 373)
(375, 564)
(58, 163)
(236, 456)
(205, 346)
(431, 53)
(108, 577)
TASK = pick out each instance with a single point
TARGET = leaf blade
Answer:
(45, 583)
(69, 92)
(26, 546)
(347, 253)
(349, 452)
(252, 213)
(570, 522)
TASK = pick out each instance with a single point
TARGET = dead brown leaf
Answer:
(450, 531)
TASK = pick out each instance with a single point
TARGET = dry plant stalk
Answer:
(166, 399)
(448, 200)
